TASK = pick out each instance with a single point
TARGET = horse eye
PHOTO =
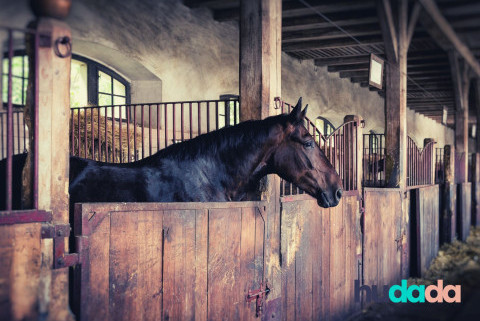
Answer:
(308, 144)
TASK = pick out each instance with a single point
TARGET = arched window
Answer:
(324, 126)
(91, 83)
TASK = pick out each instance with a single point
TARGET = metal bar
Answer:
(158, 127)
(199, 120)
(113, 132)
(135, 132)
(182, 125)
(216, 115)
(143, 131)
(190, 118)
(92, 134)
(174, 128)
(208, 117)
(150, 129)
(99, 144)
(72, 136)
(85, 133)
(166, 126)
(128, 110)
(18, 130)
(120, 145)
(9, 124)
(106, 135)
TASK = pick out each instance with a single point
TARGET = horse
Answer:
(223, 165)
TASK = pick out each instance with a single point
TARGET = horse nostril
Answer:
(338, 194)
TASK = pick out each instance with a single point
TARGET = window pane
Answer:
(78, 84)
(118, 88)
(118, 100)
(5, 66)
(104, 100)
(104, 83)
(17, 91)
(17, 66)
(4, 88)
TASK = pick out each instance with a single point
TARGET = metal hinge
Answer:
(58, 232)
(259, 296)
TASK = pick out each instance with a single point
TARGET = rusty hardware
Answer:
(64, 41)
(58, 233)
(259, 296)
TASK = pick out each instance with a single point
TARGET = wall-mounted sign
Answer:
(375, 72)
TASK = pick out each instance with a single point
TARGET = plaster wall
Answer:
(172, 53)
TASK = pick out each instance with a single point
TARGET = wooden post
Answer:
(449, 191)
(397, 40)
(53, 164)
(460, 79)
(357, 150)
(260, 83)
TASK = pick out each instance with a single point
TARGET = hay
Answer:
(84, 124)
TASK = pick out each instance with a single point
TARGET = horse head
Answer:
(300, 160)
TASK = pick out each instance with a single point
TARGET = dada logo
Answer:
(413, 293)
(432, 293)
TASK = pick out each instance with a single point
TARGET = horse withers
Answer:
(224, 165)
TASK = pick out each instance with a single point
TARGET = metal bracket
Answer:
(260, 296)
(58, 233)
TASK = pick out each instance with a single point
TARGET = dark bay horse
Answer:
(224, 165)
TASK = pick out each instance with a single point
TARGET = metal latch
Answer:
(259, 295)
(58, 233)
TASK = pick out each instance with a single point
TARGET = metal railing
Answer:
(374, 160)
(419, 164)
(439, 165)
(125, 133)
(340, 147)
(20, 134)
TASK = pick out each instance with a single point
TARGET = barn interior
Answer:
(393, 89)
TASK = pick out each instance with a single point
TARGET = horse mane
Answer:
(226, 139)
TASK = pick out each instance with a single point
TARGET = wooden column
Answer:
(53, 164)
(397, 37)
(260, 83)
(460, 79)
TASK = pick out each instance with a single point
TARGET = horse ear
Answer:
(296, 113)
(304, 112)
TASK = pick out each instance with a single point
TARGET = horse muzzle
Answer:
(324, 200)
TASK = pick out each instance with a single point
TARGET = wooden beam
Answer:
(330, 44)
(360, 67)
(413, 21)
(329, 33)
(432, 9)
(213, 4)
(389, 31)
(295, 8)
(342, 60)
(342, 19)
(349, 74)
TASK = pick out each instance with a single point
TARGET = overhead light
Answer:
(375, 73)
(444, 115)
(473, 134)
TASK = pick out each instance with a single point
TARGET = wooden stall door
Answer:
(385, 247)
(321, 256)
(184, 261)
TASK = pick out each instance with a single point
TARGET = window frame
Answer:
(93, 68)
(16, 53)
(326, 125)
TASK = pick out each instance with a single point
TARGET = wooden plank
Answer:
(6, 253)
(150, 262)
(223, 264)
(201, 264)
(337, 261)
(303, 266)
(95, 275)
(247, 262)
(326, 258)
(123, 301)
(316, 245)
(188, 308)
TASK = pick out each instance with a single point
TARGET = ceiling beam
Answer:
(358, 67)
(345, 18)
(334, 61)
(442, 24)
(331, 43)
(348, 74)
(294, 8)
(329, 33)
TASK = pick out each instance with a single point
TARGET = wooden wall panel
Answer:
(428, 226)
(384, 232)
(20, 250)
(171, 262)
(319, 258)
